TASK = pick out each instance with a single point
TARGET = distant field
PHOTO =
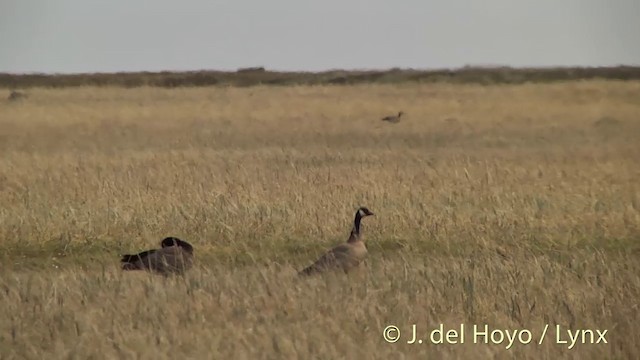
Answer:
(513, 206)
(261, 76)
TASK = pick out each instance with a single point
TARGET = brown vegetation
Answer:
(513, 206)
(255, 76)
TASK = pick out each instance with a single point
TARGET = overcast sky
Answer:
(68, 36)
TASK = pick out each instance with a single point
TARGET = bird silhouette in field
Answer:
(394, 119)
(175, 256)
(16, 95)
(346, 256)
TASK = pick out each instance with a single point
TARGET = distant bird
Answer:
(174, 257)
(345, 256)
(393, 118)
(16, 95)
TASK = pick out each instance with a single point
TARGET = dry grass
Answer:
(262, 180)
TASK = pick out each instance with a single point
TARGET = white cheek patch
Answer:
(362, 214)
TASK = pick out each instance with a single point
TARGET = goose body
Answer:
(174, 257)
(16, 95)
(393, 118)
(346, 256)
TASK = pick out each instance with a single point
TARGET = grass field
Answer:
(514, 206)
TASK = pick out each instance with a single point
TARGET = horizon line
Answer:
(329, 70)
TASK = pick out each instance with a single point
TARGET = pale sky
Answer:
(70, 36)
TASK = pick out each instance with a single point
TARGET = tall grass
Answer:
(514, 206)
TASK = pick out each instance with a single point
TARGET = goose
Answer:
(175, 256)
(345, 256)
(16, 95)
(393, 118)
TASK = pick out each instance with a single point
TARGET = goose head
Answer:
(363, 211)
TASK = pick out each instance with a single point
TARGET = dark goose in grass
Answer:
(175, 256)
(393, 118)
(345, 256)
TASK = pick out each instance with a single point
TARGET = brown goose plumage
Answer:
(16, 95)
(393, 118)
(174, 257)
(344, 256)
